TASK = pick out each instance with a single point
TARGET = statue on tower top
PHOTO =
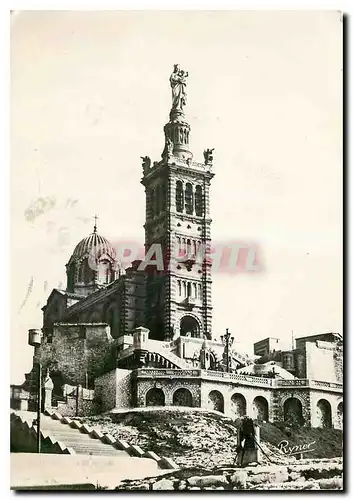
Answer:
(178, 83)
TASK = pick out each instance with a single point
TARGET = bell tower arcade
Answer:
(178, 228)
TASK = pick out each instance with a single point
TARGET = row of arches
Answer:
(238, 405)
(187, 247)
(293, 413)
(259, 410)
(189, 199)
(181, 397)
(188, 289)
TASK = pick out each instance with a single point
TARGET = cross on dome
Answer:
(95, 223)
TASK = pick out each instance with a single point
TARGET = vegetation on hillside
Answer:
(192, 437)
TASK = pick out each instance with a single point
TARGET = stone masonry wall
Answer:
(105, 391)
(113, 390)
(76, 354)
(168, 386)
(123, 389)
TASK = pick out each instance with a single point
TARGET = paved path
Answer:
(52, 471)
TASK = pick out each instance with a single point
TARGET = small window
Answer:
(179, 196)
(188, 199)
(198, 201)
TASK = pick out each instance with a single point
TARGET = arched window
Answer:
(178, 245)
(200, 294)
(184, 288)
(188, 199)
(179, 196)
(188, 248)
(81, 272)
(183, 247)
(179, 287)
(189, 327)
(189, 289)
(195, 290)
(198, 201)
(104, 271)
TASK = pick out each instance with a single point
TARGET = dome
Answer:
(93, 245)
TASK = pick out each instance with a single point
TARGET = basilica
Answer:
(142, 336)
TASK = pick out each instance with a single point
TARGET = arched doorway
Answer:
(216, 401)
(155, 397)
(182, 397)
(238, 405)
(323, 413)
(189, 327)
(293, 412)
(260, 409)
(340, 415)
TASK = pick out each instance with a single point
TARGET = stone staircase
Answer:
(160, 352)
(82, 444)
(158, 348)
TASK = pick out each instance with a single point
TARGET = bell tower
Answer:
(178, 227)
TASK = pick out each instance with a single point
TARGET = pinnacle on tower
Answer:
(177, 130)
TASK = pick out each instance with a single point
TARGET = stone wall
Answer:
(113, 390)
(323, 475)
(123, 388)
(77, 351)
(235, 400)
(105, 391)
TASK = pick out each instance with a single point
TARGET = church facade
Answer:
(143, 336)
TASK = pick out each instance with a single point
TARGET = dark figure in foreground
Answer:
(247, 449)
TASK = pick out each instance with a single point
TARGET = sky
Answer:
(90, 94)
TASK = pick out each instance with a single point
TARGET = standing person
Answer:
(247, 451)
